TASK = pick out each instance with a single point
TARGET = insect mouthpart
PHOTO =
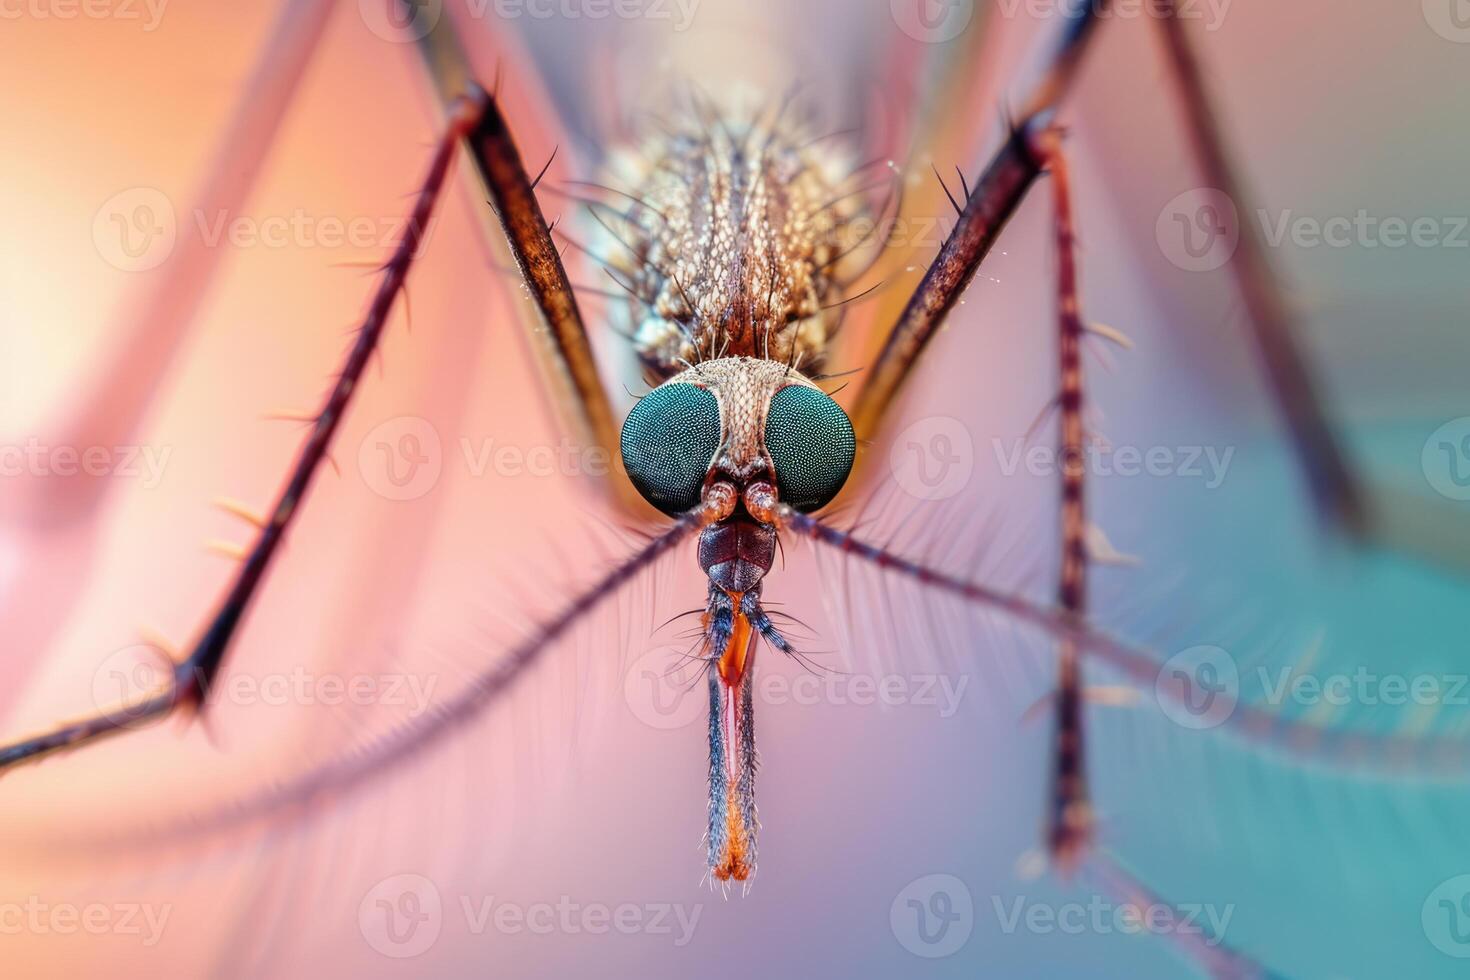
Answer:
(737, 552)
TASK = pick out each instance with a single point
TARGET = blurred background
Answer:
(159, 298)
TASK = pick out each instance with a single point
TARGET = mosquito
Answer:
(738, 254)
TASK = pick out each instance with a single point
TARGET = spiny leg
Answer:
(566, 350)
(993, 200)
(1070, 830)
(1207, 950)
(1406, 754)
(55, 523)
(192, 676)
(384, 754)
(998, 193)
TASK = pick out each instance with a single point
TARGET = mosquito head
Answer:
(740, 421)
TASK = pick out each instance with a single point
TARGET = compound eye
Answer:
(669, 441)
(811, 443)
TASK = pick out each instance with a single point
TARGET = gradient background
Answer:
(586, 787)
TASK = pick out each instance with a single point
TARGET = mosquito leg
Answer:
(1070, 829)
(383, 755)
(114, 394)
(1328, 474)
(514, 198)
(1411, 753)
(992, 202)
(1207, 951)
(194, 674)
(511, 192)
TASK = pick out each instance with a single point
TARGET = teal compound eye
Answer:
(811, 443)
(668, 442)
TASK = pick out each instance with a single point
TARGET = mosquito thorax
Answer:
(737, 241)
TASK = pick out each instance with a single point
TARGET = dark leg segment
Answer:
(993, 201)
(193, 676)
(511, 192)
(1070, 829)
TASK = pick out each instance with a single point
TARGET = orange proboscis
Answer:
(732, 664)
(732, 658)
